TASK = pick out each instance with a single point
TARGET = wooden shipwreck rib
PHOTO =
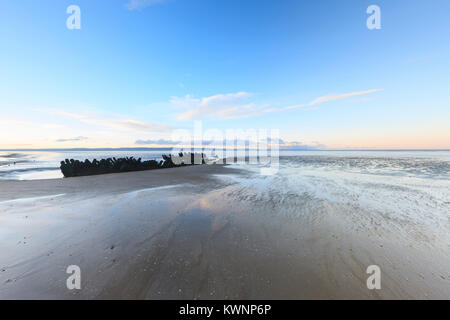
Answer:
(76, 168)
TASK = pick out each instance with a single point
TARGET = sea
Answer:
(32, 165)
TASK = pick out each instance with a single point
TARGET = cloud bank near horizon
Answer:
(282, 144)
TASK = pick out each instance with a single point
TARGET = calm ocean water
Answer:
(433, 164)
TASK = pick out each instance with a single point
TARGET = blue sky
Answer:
(137, 70)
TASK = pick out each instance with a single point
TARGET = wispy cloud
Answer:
(72, 139)
(223, 106)
(237, 105)
(113, 122)
(128, 124)
(139, 4)
(341, 96)
(328, 98)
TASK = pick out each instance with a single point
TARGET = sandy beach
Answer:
(192, 233)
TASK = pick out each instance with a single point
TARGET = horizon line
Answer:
(169, 148)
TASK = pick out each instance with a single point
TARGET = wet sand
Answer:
(196, 233)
